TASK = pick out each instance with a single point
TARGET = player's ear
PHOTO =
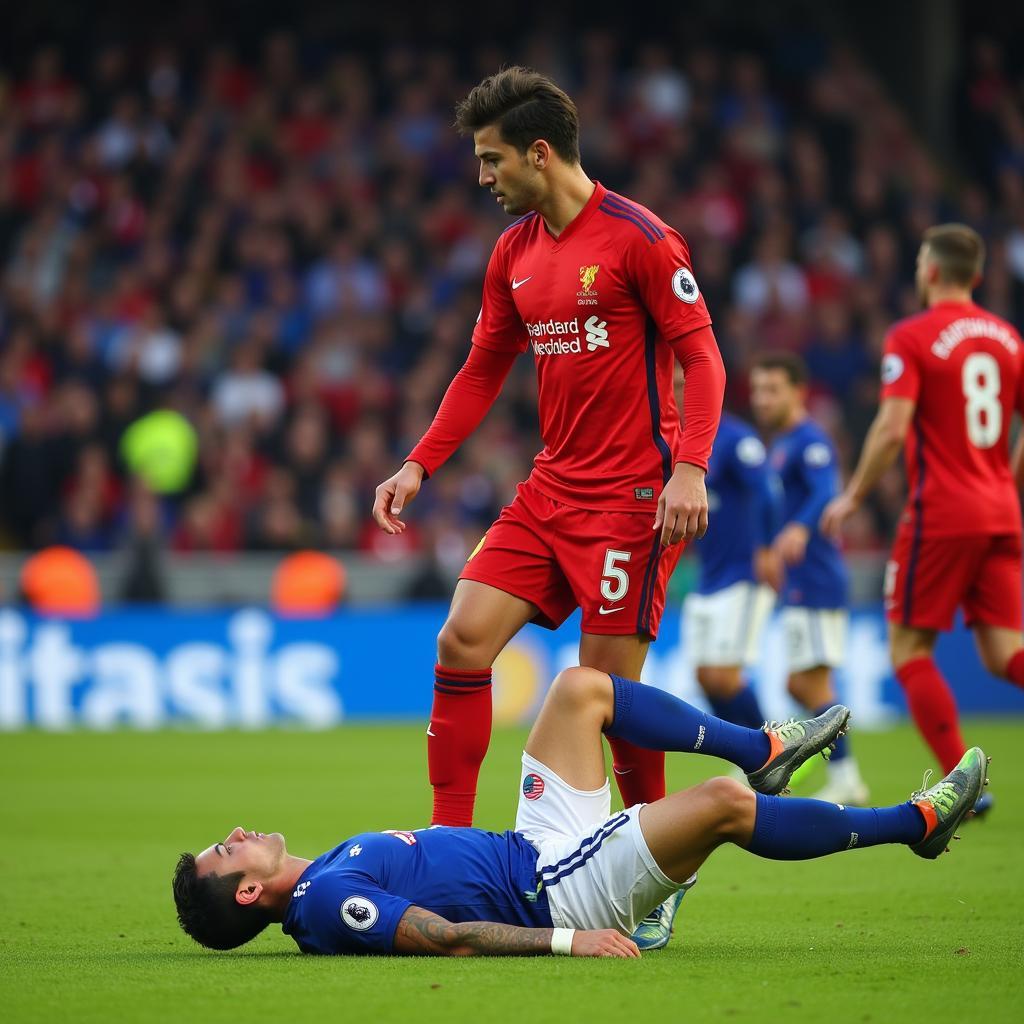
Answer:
(540, 154)
(248, 893)
(976, 282)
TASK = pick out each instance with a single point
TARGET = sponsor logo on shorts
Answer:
(700, 738)
(643, 493)
(533, 787)
(854, 837)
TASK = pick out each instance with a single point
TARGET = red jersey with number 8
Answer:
(964, 368)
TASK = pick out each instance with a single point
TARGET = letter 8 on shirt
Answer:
(597, 305)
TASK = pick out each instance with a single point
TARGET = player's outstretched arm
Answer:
(882, 446)
(423, 933)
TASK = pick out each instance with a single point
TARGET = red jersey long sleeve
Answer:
(702, 395)
(471, 393)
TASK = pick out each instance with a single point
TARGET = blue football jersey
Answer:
(350, 899)
(805, 460)
(744, 504)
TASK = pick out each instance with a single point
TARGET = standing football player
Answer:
(814, 596)
(603, 292)
(951, 380)
(740, 573)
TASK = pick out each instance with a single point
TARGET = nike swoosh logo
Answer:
(519, 284)
(607, 611)
(429, 733)
(621, 771)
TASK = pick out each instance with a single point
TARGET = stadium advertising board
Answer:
(245, 668)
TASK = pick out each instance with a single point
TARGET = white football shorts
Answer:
(724, 628)
(595, 866)
(814, 637)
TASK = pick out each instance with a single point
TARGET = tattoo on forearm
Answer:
(421, 932)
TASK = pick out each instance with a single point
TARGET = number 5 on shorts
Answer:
(614, 581)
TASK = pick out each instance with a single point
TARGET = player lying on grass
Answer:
(572, 878)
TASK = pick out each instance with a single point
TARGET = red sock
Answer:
(933, 708)
(639, 773)
(457, 739)
(1015, 669)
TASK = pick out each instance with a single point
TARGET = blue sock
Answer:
(795, 829)
(842, 743)
(740, 709)
(654, 719)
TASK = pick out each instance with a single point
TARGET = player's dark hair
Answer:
(208, 911)
(525, 106)
(958, 251)
(789, 362)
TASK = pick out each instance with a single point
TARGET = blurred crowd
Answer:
(233, 289)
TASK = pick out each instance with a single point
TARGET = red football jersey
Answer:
(963, 367)
(597, 305)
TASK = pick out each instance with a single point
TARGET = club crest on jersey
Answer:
(586, 296)
(358, 913)
(684, 284)
(533, 787)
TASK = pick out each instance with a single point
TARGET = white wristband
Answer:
(561, 941)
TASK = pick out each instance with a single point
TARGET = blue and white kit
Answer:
(724, 616)
(569, 863)
(814, 598)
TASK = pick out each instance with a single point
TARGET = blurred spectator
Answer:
(247, 276)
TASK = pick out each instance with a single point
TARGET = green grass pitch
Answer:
(91, 826)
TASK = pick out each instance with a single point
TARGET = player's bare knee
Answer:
(733, 804)
(457, 646)
(581, 688)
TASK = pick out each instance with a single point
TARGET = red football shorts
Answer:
(928, 578)
(609, 564)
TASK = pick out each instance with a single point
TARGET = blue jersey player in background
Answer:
(572, 878)
(739, 572)
(814, 595)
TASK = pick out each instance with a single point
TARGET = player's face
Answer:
(506, 172)
(773, 396)
(257, 855)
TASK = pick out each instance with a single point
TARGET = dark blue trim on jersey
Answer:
(915, 544)
(634, 220)
(650, 337)
(643, 615)
(521, 220)
(647, 593)
(627, 206)
(552, 874)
